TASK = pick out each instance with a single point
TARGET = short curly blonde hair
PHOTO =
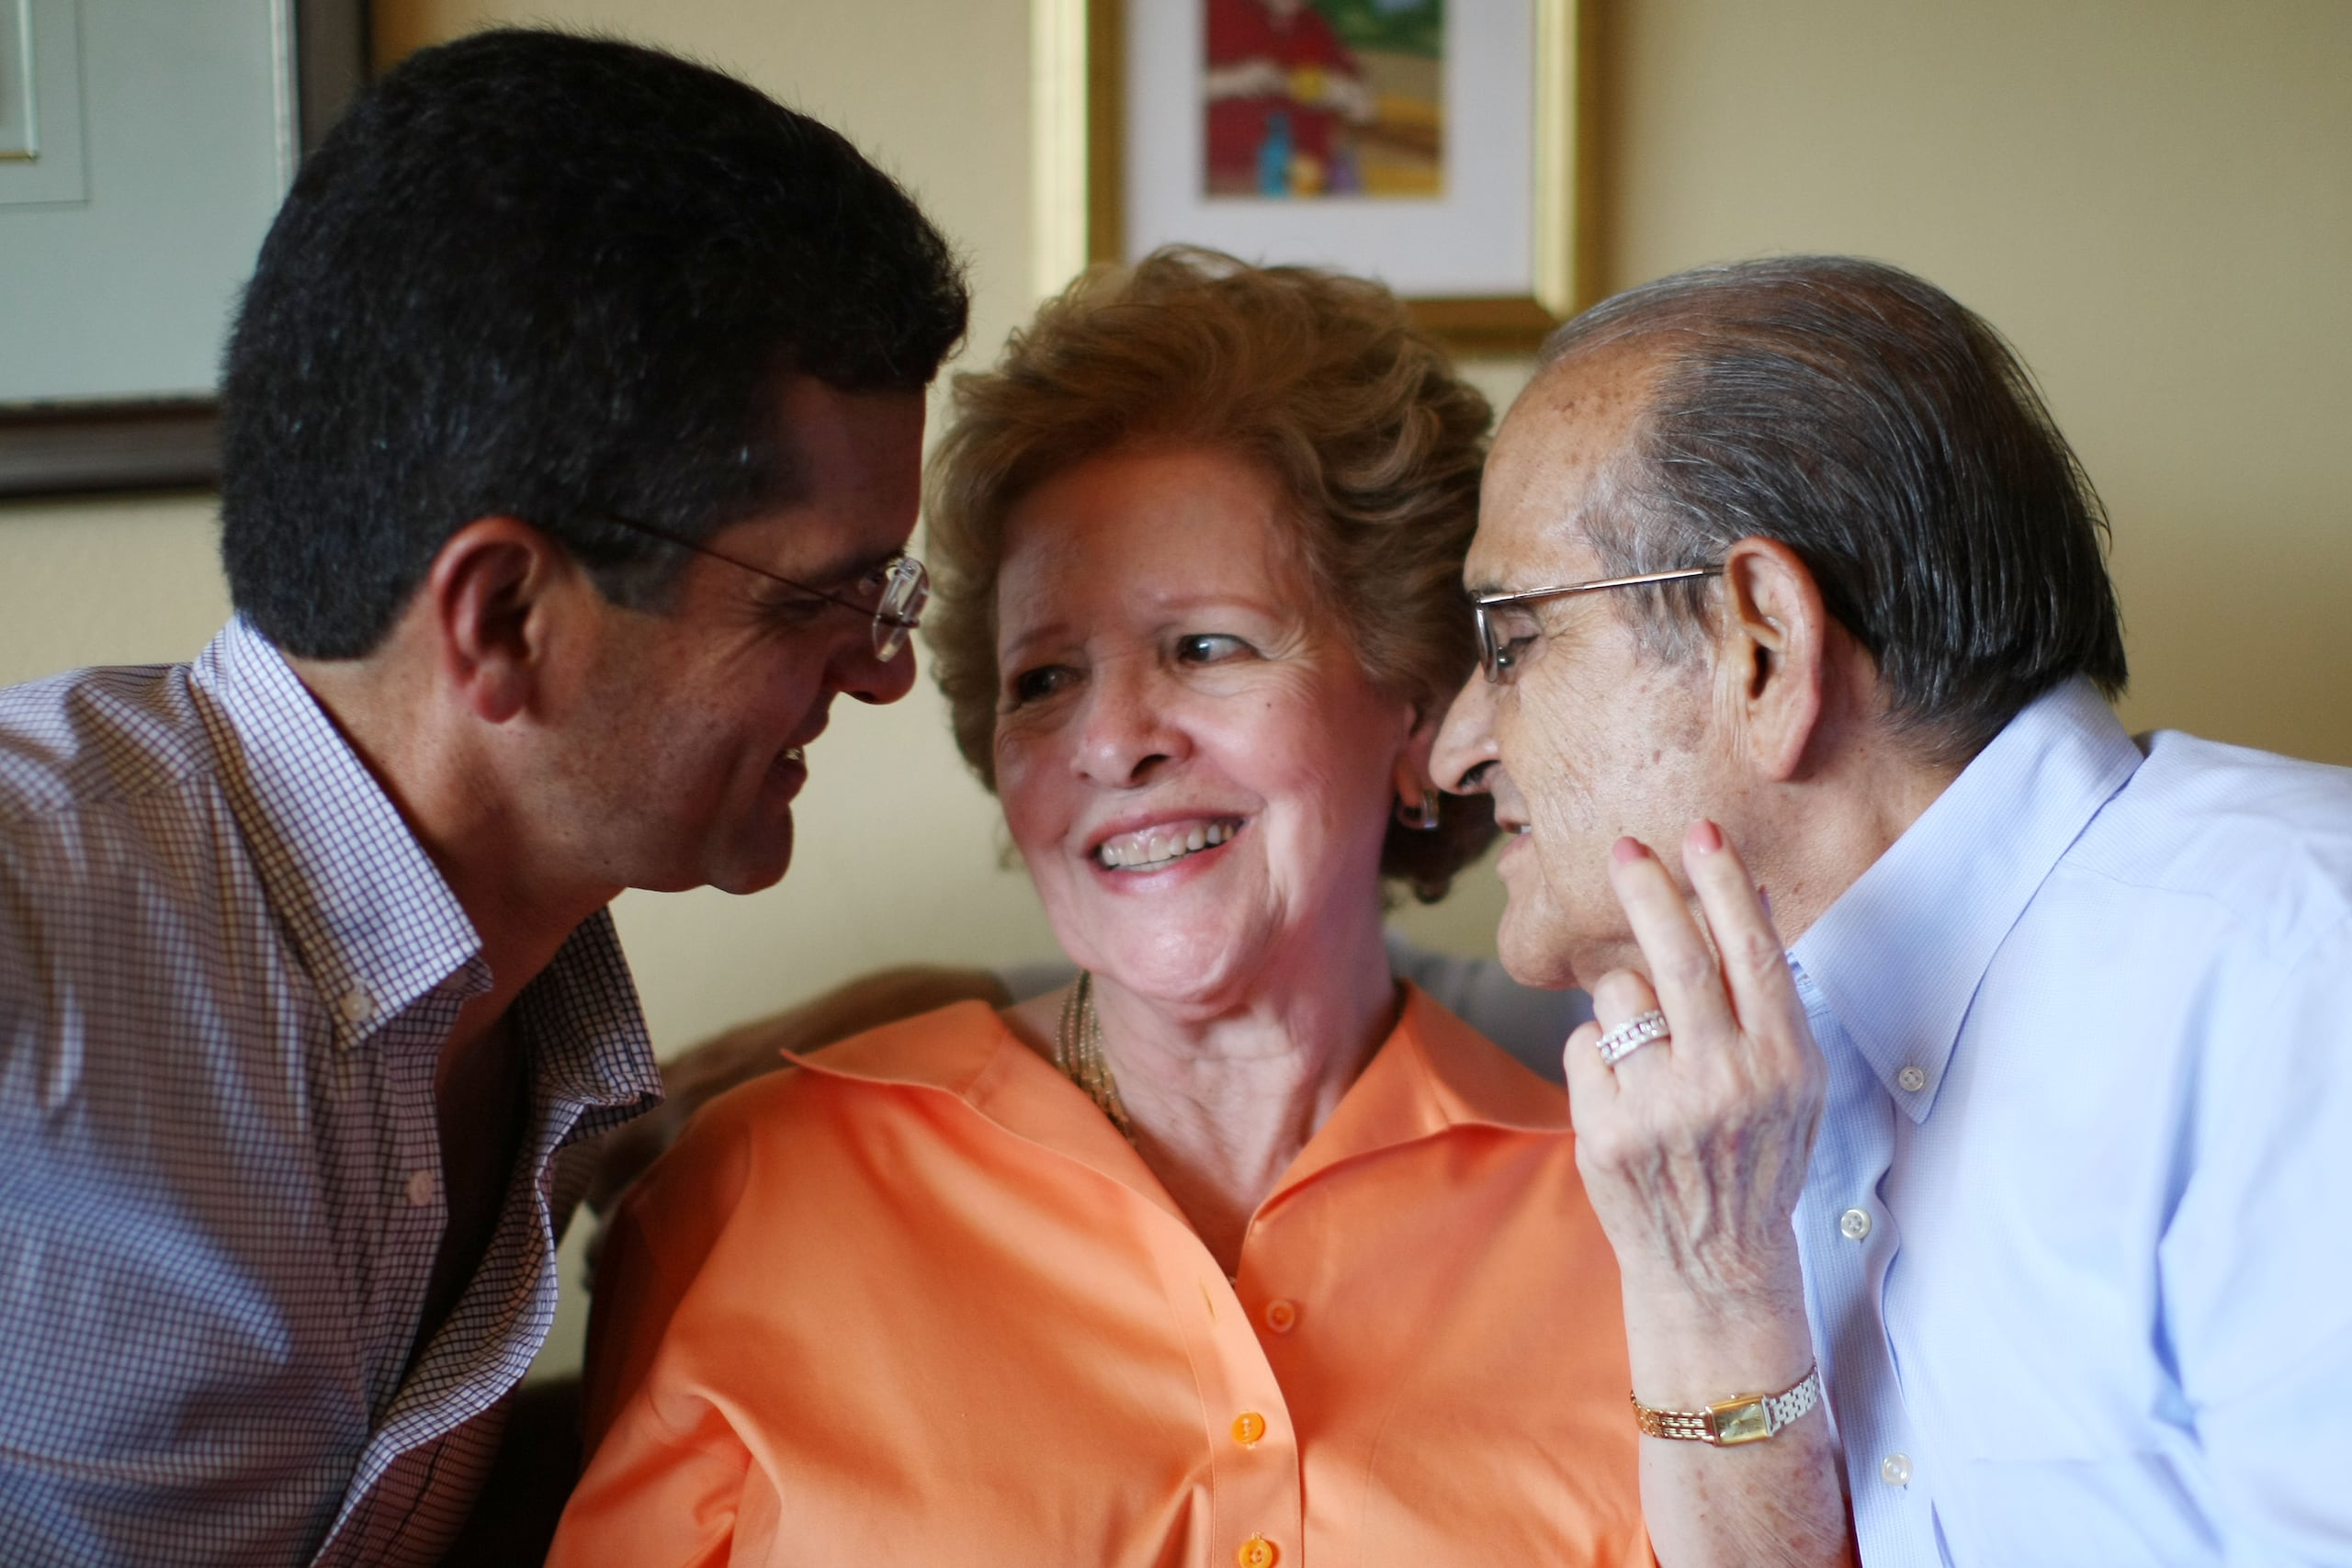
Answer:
(1320, 378)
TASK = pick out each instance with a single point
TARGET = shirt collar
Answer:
(1434, 1073)
(364, 906)
(585, 1026)
(1898, 957)
(368, 913)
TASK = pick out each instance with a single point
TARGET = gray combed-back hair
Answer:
(1893, 440)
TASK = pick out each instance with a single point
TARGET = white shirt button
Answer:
(420, 1189)
(1854, 1224)
(355, 1005)
(1895, 1469)
(1911, 1079)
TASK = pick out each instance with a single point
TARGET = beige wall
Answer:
(2154, 200)
(2151, 198)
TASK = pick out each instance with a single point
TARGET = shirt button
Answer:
(1854, 1225)
(420, 1189)
(1911, 1079)
(1258, 1553)
(1248, 1428)
(1281, 1315)
(1895, 1469)
(355, 1005)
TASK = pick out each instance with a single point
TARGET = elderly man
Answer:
(1789, 554)
(572, 426)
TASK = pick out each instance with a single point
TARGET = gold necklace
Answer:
(1078, 1052)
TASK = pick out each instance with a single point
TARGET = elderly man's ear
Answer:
(1778, 657)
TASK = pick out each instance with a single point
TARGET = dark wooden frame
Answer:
(127, 444)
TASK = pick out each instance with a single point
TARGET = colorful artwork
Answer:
(1305, 99)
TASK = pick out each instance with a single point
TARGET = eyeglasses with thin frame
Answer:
(901, 584)
(1500, 637)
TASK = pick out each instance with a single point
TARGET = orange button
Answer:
(1281, 1315)
(1248, 1428)
(1258, 1553)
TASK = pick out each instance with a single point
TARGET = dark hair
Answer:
(1325, 383)
(551, 276)
(1893, 440)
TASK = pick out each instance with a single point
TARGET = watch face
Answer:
(1740, 1421)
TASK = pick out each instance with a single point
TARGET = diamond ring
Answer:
(1631, 1036)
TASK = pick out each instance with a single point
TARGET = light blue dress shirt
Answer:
(2076, 1235)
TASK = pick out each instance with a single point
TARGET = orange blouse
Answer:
(918, 1302)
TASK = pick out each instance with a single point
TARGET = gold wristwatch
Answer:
(1742, 1418)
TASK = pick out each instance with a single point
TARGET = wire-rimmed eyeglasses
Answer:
(1502, 632)
(899, 587)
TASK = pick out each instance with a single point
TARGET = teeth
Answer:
(1163, 846)
(795, 754)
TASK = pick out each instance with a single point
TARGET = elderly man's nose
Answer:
(1465, 743)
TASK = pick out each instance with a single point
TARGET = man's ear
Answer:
(495, 594)
(1772, 647)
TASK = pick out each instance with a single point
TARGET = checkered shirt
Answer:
(226, 971)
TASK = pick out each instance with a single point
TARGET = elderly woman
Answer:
(1236, 1251)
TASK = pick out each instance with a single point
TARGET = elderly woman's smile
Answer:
(1163, 844)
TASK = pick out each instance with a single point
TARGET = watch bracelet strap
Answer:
(1780, 1410)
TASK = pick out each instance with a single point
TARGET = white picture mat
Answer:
(40, 104)
(19, 129)
(1477, 239)
(124, 289)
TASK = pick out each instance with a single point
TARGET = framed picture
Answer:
(1433, 144)
(143, 152)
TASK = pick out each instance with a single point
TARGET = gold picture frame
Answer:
(1080, 127)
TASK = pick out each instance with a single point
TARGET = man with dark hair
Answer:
(1790, 555)
(571, 437)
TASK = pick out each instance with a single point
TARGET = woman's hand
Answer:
(1693, 1150)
